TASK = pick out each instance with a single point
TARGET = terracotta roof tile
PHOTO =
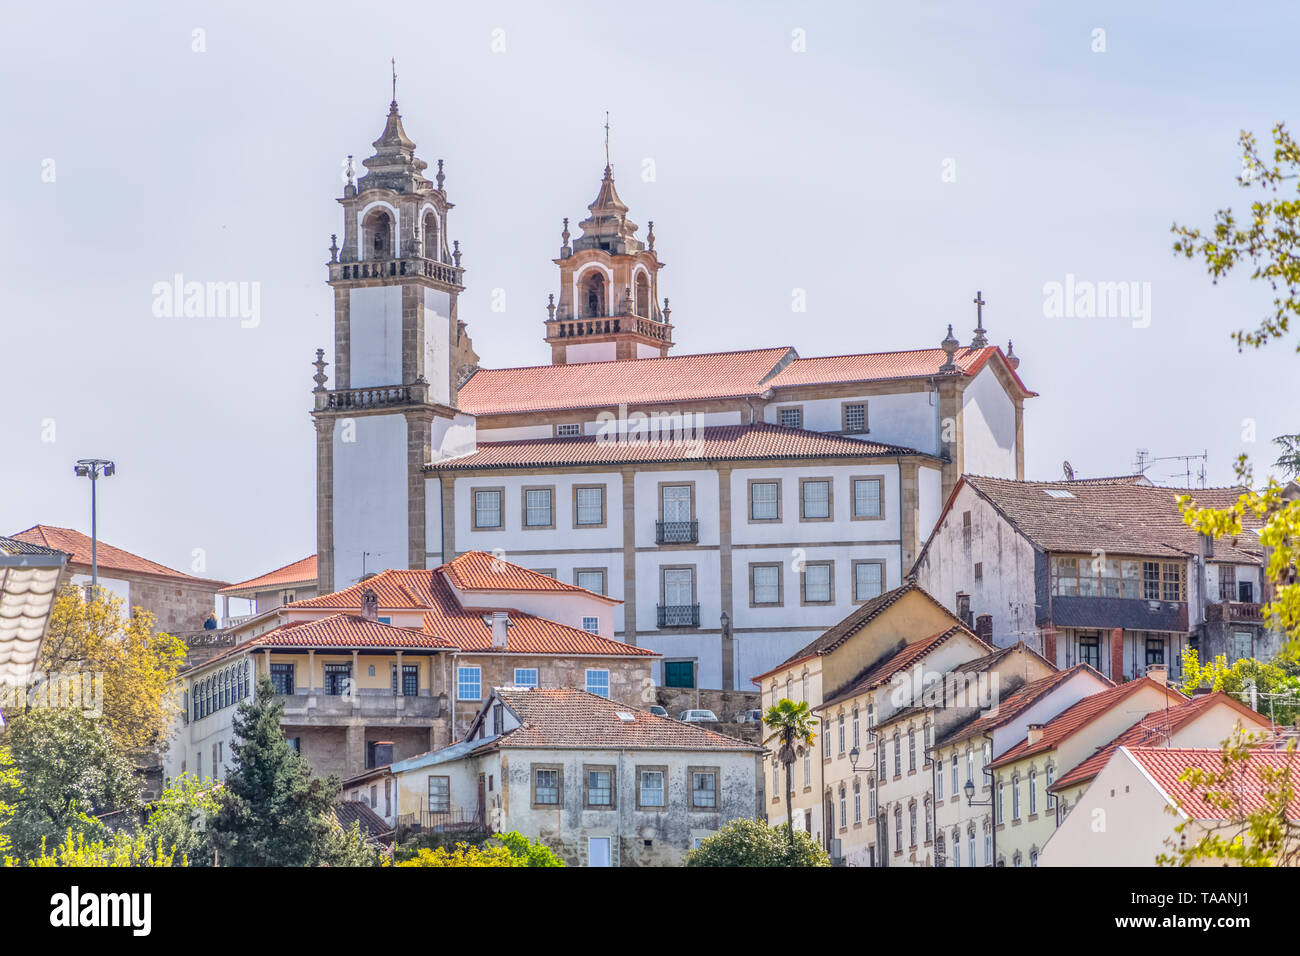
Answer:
(302, 571)
(1019, 701)
(1079, 715)
(570, 718)
(480, 571)
(1116, 515)
(903, 658)
(1151, 729)
(713, 443)
(884, 366)
(78, 547)
(1166, 765)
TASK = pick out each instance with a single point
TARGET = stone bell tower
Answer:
(609, 289)
(400, 355)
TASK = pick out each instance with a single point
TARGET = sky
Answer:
(877, 162)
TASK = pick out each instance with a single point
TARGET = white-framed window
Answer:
(598, 682)
(652, 786)
(857, 800)
(970, 843)
(844, 809)
(938, 783)
(988, 844)
(591, 625)
(791, 417)
(469, 683)
(856, 729)
(568, 430)
(817, 583)
(593, 579)
(546, 786)
(599, 790)
(956, 848)
(764, 501)
(1001, 787)
(956, 784)
(807, 766)
(1033, 792)
(539, 507)
(1015, 798)
(868, 580)
(526, 677)
(487, 508)
(766, 583)
(590, 505)
(704, 789)
(855, 417)
(815, 499)
(1051, 797)
(841, 732)
(868, 497)
(439, 794)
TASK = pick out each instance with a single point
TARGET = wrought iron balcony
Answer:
(677, 532)
(679, 615)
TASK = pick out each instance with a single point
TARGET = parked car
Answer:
(697, 716)
(749, 717)
(658, 711)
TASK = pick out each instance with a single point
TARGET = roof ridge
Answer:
(657, 358)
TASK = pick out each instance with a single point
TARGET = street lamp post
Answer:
(92, 468)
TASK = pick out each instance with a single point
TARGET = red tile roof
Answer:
(1079, 715)
(78, 546)
(677, 378)
(480, 571)
(299, 572)
(1155, 728)
(901, 659)
(713, 443)
(554, 718)
(884, 366)
(347, 630)
(1019, 701)
(1165, 765)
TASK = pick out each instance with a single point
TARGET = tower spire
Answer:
(394, 62)
(606, 140)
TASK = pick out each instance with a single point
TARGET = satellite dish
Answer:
(1069, 471)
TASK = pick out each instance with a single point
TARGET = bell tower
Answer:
(400, 355)
(609, 288)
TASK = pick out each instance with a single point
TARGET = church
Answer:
(736, 503)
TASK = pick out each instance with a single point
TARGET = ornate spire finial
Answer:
(606, 140)
(667, 311)
(319, 378)
(950, 346)
(456, 252)
(1012, 358)
(394, 61)
(650, 235)
(550, 307)
(334, 247)
(440, 177)
(980, 339)
(352, 173)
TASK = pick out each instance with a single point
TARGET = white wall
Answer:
(790, 530)
(437, 344)
(988, 427)
(370, 497)
(590, 352)
(375, 336)
(910, 419)
(929, 489)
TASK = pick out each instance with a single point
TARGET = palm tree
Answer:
(790, 723)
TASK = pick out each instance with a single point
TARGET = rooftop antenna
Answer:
(1143, 462)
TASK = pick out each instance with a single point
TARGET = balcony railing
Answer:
(439, 821)
(1234, 611)
(677, 532)
(378, 396)
(679, 615)
(407, 266)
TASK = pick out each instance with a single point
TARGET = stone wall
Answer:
(177, 605)
(725, 703)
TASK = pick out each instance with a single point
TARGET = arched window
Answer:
(642, 295)
(970, 843)
(929, 832)
(844, 810)
(377, 235)
(911, 823)
(1033, 791)
(593, 297)
(429, 232)
(857, 800)
(898, 827)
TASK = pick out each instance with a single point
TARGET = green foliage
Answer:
(9, 784)
(1288, 462)
(793, 725)
(349, 848)
(410, 843)
(505, 849)
(180, 819)
(65, 770)
(747, 842)
(1268, 678)
(117, 849)
(271, 811)
(1259, 837)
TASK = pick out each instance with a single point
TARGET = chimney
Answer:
(500, 622)
(1035, 733)
(1158, 673)
(370, 604)
(984, 628)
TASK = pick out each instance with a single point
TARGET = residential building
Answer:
(179, 602)
(401, 663)
(735, 503)
(1026, 772)
(266, 592)
(1141, 797)
(1099, 571)
(600, 783)
(971, 809)
(375, 789)
(30, 576)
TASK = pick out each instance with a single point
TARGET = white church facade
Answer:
(737, 503)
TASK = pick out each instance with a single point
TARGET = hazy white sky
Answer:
(775, 170)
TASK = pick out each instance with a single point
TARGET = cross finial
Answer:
(394, 62)
(980, 339)
(607, 139)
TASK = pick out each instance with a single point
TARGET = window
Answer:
(817, 587)
(676, 503)
(911, 824)
(970, 844)
(898, 829)
(487, 509)
(873, 794)
(898, 755)
(679, 587)
(652, 786)
(469, 682)
(776, 780)
(938, 851)
(881, 767)
(856, 726)
(855, 417)
(591, 625)
(282, 678)
(1155, 650)
(956, 784)
(338, 679)
(911, 749)
(841, 733)
(1051, 798)
(814, 499)
(938, 782)
(807, 766)
(868, 498)
(1033, 792)
(1001, 787)
(1015, 798)
(970, 764)
(791, 416)
(956, 848)
(805, 688)
(539, 507)
(1033, 857)
(704, 789)
(988, 844)
(526, 677)
(764, 500)
(928, 831)
(765, 584)
(857, 800)
(844, 808)
(568, 430)
(593, 579)
(598, 682)
(546, 786)
(600, 791)
(589, 506)
(679, 673)
(1242, 645)
(868, 580)
(1090, 650)
(410, 680)
(439, 794)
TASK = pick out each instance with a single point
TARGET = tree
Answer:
(746, 842)
(503, 849)
(1255, 828)
(181, 819)
(350, 848)
(118, 849)
(135, 661)
(791, 724)
(271, 811)
(1278, 693)
(9, 784)
(65, 772)
(1288, 462)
